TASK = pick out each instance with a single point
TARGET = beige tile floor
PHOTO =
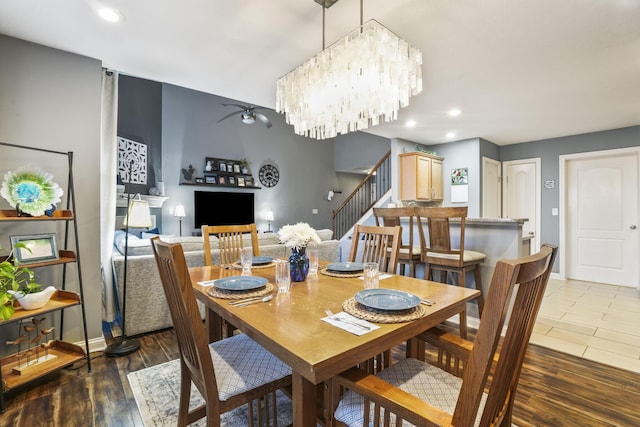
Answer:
(591, 320)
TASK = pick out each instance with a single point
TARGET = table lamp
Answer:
(268, 216)
(138, 216)
(179, 213)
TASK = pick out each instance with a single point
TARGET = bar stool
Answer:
(438, 254)
(410, 254)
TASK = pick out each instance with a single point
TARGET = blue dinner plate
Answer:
(387, 299)
(261, 260)
(345, 267)
(240, 283)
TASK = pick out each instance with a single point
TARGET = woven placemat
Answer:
(237, 265)
(221, 293)
(355, 309)
(332, 274)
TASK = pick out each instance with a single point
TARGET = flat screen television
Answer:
(222, 208)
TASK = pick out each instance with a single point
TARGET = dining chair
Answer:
(381, 245)
(409, 254)
(440, 254)
(229, 373)
(371, 243)
(230, 241)
(423, 394)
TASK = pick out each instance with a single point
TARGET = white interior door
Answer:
(491, 193)
(521, 196)
(601, 219)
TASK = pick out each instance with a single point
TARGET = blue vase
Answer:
(299, 265)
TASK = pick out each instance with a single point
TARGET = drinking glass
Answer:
(246, 259)
(283, 278)
(371, 271)
(313, 261)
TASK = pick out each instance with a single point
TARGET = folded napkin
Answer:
(349, 323)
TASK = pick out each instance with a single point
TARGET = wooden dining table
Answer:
(290, 325)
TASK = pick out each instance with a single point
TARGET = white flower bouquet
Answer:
(298, 236)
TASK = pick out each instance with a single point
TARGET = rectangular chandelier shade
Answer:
(359, 81)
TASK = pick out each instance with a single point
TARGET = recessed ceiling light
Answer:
(454, 112)
(451, 135)
(410, 123)
(110, 14)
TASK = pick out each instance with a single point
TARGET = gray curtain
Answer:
(108, 173)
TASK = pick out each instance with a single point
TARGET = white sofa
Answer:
(147, 308)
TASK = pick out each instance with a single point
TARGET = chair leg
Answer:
(478, 279)
(462, 282)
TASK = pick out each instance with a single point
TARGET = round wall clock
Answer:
(269, 175)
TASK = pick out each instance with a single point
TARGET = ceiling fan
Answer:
(248, 114)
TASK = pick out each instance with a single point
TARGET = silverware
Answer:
(265, 299)
(242, 301)
(339, 319)
(427, 302)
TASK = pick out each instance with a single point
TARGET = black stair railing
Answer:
(366, 194)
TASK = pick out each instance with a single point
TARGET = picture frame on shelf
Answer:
(240, 181)
(249, 181)
(222, 166)
(222, 180)
(230, 167)
(232, 180)
(199, 180)
(211, 179)
(236, 167)
(38, 247)
(210, 164)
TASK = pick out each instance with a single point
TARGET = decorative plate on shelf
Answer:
(386, 299)
(30, 190)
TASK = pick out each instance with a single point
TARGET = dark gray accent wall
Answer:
(51, 99)
(359, 151)
(550, 150)
(140, 119)
(190, 133)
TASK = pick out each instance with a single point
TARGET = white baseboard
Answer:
(95, 344)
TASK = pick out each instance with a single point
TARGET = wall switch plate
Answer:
(314, 211)
(554, 211)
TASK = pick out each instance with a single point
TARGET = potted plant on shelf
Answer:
(244, 164)
(18, 283)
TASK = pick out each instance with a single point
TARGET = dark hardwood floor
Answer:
(555, 390)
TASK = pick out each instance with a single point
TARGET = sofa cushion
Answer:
(136, 245)
(325, 234)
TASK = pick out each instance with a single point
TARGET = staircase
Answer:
(372, 188)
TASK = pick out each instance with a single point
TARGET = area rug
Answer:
(157, 393)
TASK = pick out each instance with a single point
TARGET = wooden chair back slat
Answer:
(230, 241)
(379, 244)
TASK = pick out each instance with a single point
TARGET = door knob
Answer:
(633, 226)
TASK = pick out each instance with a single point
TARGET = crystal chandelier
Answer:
(359, 81)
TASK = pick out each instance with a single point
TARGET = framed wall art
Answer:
(37, 248)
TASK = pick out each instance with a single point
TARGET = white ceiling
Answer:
(520, 70)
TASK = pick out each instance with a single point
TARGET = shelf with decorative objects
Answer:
(219, 172)
(41, 355)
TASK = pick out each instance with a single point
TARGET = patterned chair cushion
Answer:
(241, 364)
(429, 383)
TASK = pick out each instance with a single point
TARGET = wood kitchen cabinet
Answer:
(420, 177)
